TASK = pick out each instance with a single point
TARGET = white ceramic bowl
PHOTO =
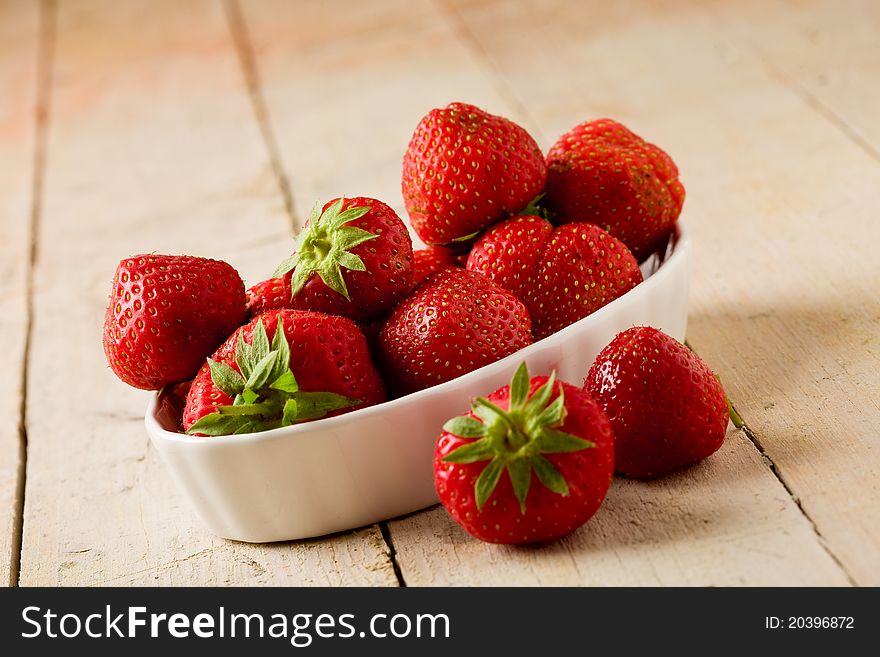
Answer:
(375, 463)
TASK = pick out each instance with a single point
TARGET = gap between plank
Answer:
(45, 56)
(812, 101)
(809, 98)
(392, 553)
(470, 40)
(248, 61)
(771, 465)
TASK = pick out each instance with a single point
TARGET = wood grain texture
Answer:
(158, 142)
(153, 147)
(344, 101)
(826, 52)
(784, 302)
(19, 35)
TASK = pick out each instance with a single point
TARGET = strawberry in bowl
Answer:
(465, 169)
(562, 274)
(352, 258)
(283, 368)
(432, 259)
(602, 172)
(455, 322)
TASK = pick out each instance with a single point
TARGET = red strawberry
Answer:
(602, 173)
(353, 258)
(271, 294)
(262, 378)
(562, 274)
(433, 259)
(666, 406)
(166, 314)
(456, 321)
(465, 169)
(484, 461)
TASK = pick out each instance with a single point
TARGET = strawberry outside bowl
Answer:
(353, 470)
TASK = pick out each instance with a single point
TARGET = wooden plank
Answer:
(784, 302)
(824, 51)
(344, 107)
(19, 34)
(344, 110)
(153, 146)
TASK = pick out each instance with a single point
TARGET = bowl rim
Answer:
(681, 245)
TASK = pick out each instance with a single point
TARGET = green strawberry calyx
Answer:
(536, 209)
(265, 390)
(324, 247)
(516, 439)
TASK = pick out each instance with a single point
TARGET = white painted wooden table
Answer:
(208, 128)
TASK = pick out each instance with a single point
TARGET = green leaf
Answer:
(282, 348)
(225, 378)
(465, 427)
(264, 408)
(315, 213)
(289, 415)
(285, 383)
(488, 412)
(466, 238)
(554, 414)
(259, 344)
(351, 261)
(299, 279)
(734, 416)
(551, 441)
(248, 427)
(331, 274)
(348, 238)
(487, 481)
(479, 450)
(534, 209)
(520, 476)
(329, 216)
(249, 396)
(519, 386)
(286, 265)
(541, 396)
(262, 372)
(216, 424)
(312, 405)
(548, 475)
(243, 355)
(351, 214)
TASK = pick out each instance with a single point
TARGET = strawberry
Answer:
(352, 258)
(166, 314)
(465, 169)
(602, 173)
(263, 378)
(665, 405)
(561, 274)
(484, 461)
(456, 321)
(271, 294)
(432, 259)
